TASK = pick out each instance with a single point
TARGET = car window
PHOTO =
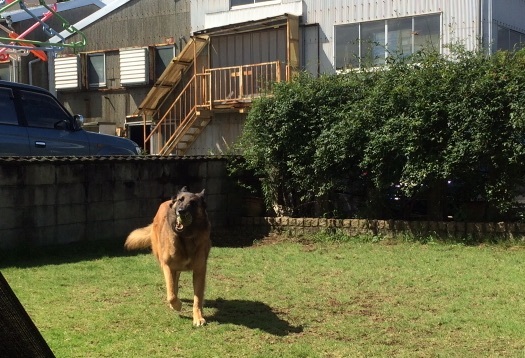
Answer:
(7, 107)
(43, 111)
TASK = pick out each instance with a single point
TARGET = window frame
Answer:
(6, 69)
(159, 59)
(93, 70)
(367, 48)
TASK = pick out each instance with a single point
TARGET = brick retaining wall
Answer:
(385, 228)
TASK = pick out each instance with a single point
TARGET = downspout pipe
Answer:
(480, 24)
(31, 69)
(486, 25)
(490, 22)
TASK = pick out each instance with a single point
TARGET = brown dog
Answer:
(180, 239)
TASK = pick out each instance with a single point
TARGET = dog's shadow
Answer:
(251, 314)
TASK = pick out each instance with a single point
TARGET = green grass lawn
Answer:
(284, 298)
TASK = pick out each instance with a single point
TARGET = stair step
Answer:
(184, 136)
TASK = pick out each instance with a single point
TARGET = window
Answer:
(96, 68)
(372, 42)
(163, 57)
(43, 111)
(509, 40)
(246, 2)
(7, 107)
(399, 36)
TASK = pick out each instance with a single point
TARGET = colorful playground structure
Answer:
(14, 45)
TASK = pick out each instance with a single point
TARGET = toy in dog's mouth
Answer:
(183, 220)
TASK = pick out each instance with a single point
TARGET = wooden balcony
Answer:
(217, 89)
(234, 87)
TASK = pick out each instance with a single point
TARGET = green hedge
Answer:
(429, 130)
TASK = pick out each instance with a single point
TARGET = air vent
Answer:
(133, 66)
(66, 73)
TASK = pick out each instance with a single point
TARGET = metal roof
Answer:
(248, 26)
(106, 7)
(21, 15)
(109, 7)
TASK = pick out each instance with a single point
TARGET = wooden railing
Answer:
(240, 83)
(194, 95)
(215, 88)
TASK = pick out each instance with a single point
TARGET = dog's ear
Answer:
(184, 189)
(173, 199)
(201, 195)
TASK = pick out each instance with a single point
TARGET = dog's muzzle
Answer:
(183, 219)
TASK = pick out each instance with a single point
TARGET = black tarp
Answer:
(19, 337)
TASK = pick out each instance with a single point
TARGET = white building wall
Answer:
(461, 19)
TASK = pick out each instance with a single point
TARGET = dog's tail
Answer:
(139, 238)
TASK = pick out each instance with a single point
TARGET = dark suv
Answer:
(34, 123)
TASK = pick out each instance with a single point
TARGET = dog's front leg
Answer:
(172, 287)
(199, 282)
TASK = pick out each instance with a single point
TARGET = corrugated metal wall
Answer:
(139, 23)
(221, 132)
(510, 13)
(460, 19)
(310, 49)
(247, 48)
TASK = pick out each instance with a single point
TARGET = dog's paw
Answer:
(198, 322)
(176, 304)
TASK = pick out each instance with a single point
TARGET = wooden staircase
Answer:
(187, 132)
(218, 89)
(184, 120)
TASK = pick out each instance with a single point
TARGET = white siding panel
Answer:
(460, 19)
(133, 66)
(67, 72)
(463, 21)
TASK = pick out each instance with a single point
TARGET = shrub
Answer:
(418, 124)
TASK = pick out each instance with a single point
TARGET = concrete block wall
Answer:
(60, 200)
(50, 201)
